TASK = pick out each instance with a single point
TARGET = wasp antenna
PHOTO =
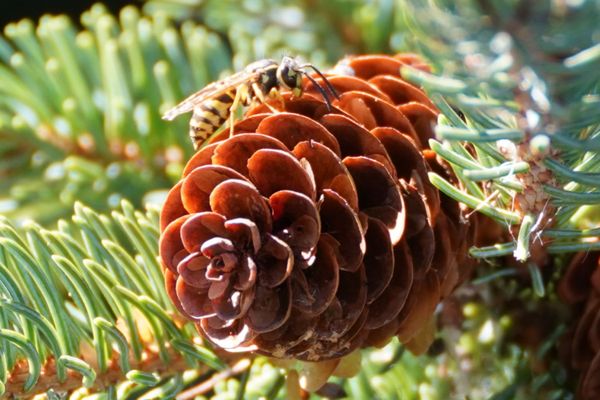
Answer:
(321, 90)
(329, 85)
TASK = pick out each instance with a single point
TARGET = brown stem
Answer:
(206, 386)
(150, 362)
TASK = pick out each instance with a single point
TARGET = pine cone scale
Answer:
(423, 299)
(328, 171)
(274, 170)
(235, 198)
(580, 288)
(200, 228)
(192, 270)
(236, 152)
(379, 257)
(199, 184)
(297, 222)
(234, 337)
(589, 387)
(389, 304)
(355, 140)
(399, 91)
(272, 309)
(341, 223)
(194, 302)
(372, 112)
(173, 207)
(171, 245)
(202, 157)
(292, 129)
(316, 286)
(278, 261)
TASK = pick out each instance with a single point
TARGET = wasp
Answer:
(217, 102)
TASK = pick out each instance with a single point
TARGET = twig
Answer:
(151, 362)
(206, 386)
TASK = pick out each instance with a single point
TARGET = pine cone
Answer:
(580, 287)
(312, 232)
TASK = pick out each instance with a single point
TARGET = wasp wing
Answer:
(213, 90)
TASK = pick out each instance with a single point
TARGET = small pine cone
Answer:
(312, 231)
(580, 288)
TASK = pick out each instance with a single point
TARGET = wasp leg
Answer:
(240, 94)
(197, 141)
(259, 93)
(276, 94)
(261, 97)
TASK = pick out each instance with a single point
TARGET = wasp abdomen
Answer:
(208, 116)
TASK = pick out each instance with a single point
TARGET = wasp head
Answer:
(289, 75)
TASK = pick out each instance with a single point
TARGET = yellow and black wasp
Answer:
(217, 102)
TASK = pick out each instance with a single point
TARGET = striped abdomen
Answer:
(208, 116)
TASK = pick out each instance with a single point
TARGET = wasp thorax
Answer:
(269, 80)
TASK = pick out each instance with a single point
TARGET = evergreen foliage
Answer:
(523, 142)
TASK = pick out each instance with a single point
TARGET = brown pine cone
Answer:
(580, 287)
(312, 232)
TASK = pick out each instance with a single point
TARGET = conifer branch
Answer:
(525, 137)
(83, 107)
(85, 301)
